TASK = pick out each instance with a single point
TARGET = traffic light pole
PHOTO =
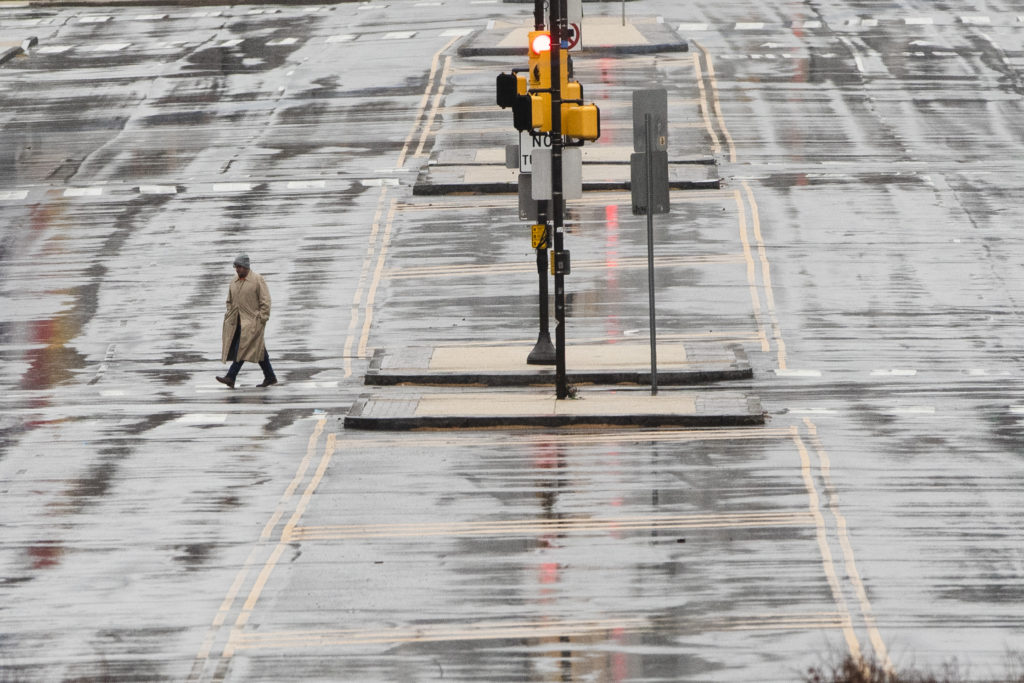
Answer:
(557, 200)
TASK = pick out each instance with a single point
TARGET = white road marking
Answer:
(343, 38)
(83, 192)
(94, 19)
(283, 41)
(109, 47)
(54, 49)
(797, 373)
(232, 43)
(976, 20)
(913, 410)
(306, 185)
(13, 195)
(693, 27)
(749, 26)
(203, 418)
(918, 21)
(398, 35)
(232, 187)
(158, 189)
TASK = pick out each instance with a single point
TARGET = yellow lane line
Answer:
(852, 643)
(268, 529)
(755, 298)
(357, 297)
(275, 556)
(877, 643)
(716, 146)
(715, 101)
(423, 102)
(433, 110)
(243, 573)
(378, 272)
(543, 526)
(766, 276)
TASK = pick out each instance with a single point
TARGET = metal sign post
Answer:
(649, 184)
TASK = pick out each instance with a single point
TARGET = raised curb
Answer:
(358, 419)
(377, 375)
(425, 189)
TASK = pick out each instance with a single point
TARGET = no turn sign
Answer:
(575, 33)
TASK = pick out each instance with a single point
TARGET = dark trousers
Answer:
(268, 371)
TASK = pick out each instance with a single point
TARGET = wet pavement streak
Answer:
(852, 236)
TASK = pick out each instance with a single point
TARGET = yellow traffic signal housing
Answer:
(572, 90)
(540, 60)
(582, 121)
(541, 118)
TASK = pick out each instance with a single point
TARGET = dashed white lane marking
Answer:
(234, 42)
(749, 26)
(83, 192)
(428, 4)
(894, 372)
(203, 418)
(13, 195)
(283, 41)
(147, 17)
(918, 21)
(398, 35)
(54, 49)
(94, 19)
(693, 27)
(343, 38)
(108, 47)
(378, 182)
(202, 14)
(158, 189)
(797, 373)
(1017, 410)
(232, 187)
(369, 6)
(912, 410)
(976, 20)
(306, 185)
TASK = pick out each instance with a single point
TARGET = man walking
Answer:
(248, 309)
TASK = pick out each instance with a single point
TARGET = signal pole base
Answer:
(543, 352)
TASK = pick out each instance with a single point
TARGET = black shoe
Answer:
(267, 381)
(230, 381)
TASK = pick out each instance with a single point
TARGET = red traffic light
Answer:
(540, 41)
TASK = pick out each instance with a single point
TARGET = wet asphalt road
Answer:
(863, 249)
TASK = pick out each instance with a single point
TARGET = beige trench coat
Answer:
(249, 303)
